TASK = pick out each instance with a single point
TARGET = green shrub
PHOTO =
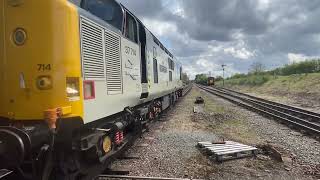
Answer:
(304, 67)
(252, 80)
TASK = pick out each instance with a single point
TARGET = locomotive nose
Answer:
(13, 147)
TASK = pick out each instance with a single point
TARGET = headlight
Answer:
(19, 36)
(44, 82)
(106, 144)
(73, 88)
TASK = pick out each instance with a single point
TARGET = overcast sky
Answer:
(203, 34)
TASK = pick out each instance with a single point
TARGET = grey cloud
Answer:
(218, 19)
(282, 27)
(144, 8)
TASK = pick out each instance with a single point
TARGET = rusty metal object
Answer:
(199, 100)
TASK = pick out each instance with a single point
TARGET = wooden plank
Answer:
(226, 142)
(231, 148)
(226, 145)
(221, 158)
(230, 152)
(204, 142)
(220, 144)
(226, 151)
(210, 143)
(244, 146)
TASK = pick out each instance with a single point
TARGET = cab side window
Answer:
(131, 28)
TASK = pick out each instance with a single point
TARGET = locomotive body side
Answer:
(117, 83)
(160, 82)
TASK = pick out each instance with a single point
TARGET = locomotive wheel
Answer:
(55, 163)
(60, 166)
(48, 167)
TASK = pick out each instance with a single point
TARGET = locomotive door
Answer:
(144, 79)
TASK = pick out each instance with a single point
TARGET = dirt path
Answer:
(168, 150)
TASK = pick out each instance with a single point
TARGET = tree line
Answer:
(258, 75)
(304, 67)
(203, 78)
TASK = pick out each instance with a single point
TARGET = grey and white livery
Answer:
(128, 64)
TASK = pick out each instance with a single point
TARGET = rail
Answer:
(186, 89)
(313, 116)
(304, 120)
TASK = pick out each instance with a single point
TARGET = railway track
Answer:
(186, 89)
(300, 119)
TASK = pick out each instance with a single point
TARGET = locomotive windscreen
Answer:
(108, 10)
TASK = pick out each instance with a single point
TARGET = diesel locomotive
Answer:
(79, 80)
(210, 81)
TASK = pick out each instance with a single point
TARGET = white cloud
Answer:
(263, 4)
(241, 53)
(202, 66)
(295, 58)
(203, 63)
(215, 49)
(160, 28)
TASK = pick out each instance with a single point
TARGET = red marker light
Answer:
(89, 90)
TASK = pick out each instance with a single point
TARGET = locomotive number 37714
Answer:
(130, 51)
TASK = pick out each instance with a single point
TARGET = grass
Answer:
(211, 105)
(279, 85)
(253, 80)
(238, 130)
(232, 128)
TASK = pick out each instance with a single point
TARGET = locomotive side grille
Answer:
(113, 63)
(92, 50)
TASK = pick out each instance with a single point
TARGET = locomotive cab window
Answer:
(142, 38)
(154, 53)
(170, 64)
(155, 71)
(107, 10)
(131, 29)
(155, 65)
(170, 75)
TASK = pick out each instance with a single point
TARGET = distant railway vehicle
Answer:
(210, 81)
(79, 79)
